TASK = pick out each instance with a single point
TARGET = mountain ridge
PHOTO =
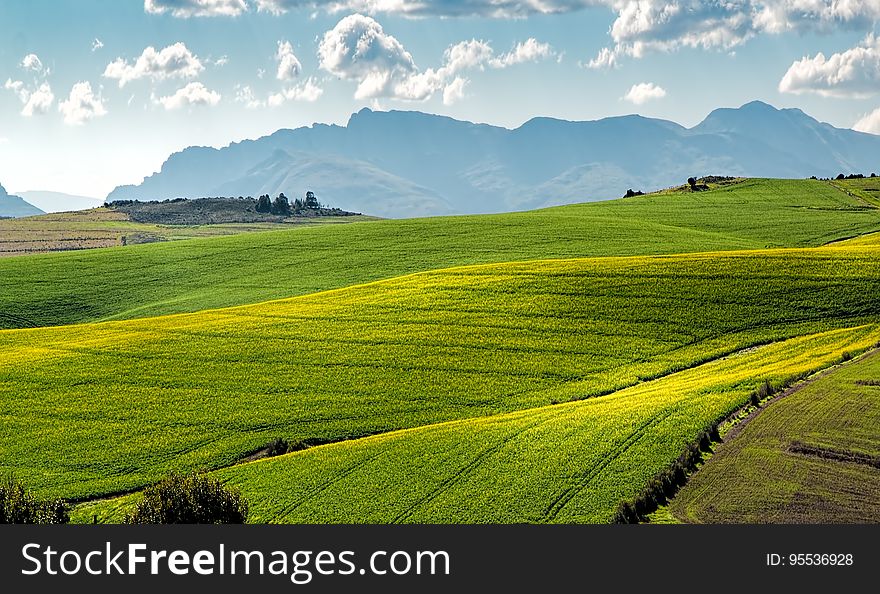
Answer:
(16, 206)
(409, 163)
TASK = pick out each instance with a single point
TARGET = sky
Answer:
(98, 93)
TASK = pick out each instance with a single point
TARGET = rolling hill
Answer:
(15, 206)
(403, 164)
(207, 389)
(145, 280)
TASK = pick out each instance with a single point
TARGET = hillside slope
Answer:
(811, 457)
(206, 389)
(139, 281)
(404, 164)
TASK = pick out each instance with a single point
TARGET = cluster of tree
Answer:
(282, 206)
(190, 499)
(630, 193)
(279, 206)
(841, 176)
(695, 187)
(20, 506)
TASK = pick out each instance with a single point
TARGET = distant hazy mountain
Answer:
(401, 164)
(59, 202)
(15, 206)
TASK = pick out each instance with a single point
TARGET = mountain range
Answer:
(59, 201)
(407, 163)
(15, 206)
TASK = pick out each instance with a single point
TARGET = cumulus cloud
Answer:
(195, 93)
(853, 73)
(425, 8)
(869, 123)
(308, 91)
(82, 105)
(530, 50)
(289, 66)
(35, 101)
(643, 26)
(32, 62)
(174, 61)
(359, 49)
(196, 8)
(643, 92)
(454, 91)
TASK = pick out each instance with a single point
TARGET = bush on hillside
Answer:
(19, 506)
(189, 499)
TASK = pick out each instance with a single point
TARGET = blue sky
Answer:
(86, 105)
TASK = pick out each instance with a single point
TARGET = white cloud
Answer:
(307, 91)
(426, 8)
(196, 8)
(35, 101)
(643, 92)
(289, 66)
(82, 105)
(359, 49)
(245, 94)
(606, 58)
(643, 26)
(32, 62)
(195, 93)
(853, 73)
(530, 50)
(454, 91)
(174, 61)
(39, 101)
(97, 44)
(869, 123)
(221, 61)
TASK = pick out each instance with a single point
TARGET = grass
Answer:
(570, 463)
(104, 228)
(204, 390)
(165, 278)
(811, 457)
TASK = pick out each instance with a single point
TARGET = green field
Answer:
(105, 228)
(548, 389)
(811, 457)
(176, 277)
(570, 463)
(205, 389)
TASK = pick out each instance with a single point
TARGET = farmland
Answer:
(166, 278)
(811, 457)
(570, 463)
(104, 228)
(204, 390)
(525, 367)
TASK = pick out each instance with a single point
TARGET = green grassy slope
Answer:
(811, 457)
(203, 390)
(569, 463)
(103, 228)
(140, 281)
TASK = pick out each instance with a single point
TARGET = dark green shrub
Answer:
(18, 506)
(189, 499)
(278, 447)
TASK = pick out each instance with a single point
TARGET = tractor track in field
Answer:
(567, 495)
(466, 469)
